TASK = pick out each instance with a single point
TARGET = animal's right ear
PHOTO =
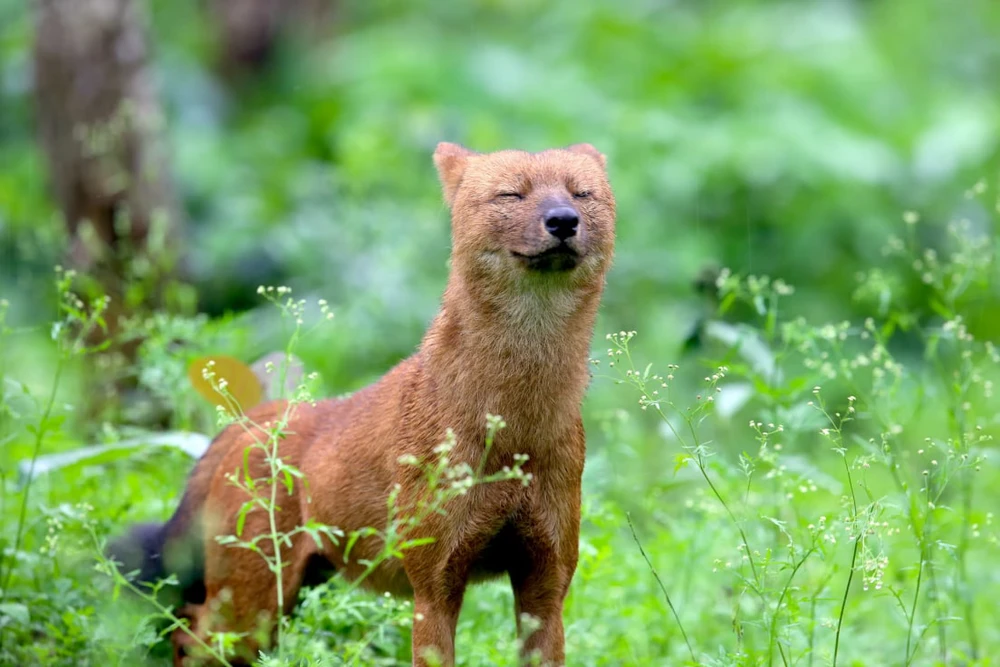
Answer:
(450, 160)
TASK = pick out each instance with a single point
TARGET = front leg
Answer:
(439, 572)
(540, 594)
(541, 579)
(439, 580)
(435, 615)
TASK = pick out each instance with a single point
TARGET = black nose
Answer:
(561, 222)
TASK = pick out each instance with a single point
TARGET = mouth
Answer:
(558, 259)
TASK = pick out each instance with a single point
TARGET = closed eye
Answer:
(509, 195)
(583, 194)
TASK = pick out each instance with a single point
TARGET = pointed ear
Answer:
(587, 149)
(450, 160)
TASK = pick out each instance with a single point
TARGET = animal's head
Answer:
(519, 215)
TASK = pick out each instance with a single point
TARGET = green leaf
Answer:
(748, 343)
(351, 541)
(16, 612)
(54, 422)
(242, 517)
(247, 479)
(941, 309)
(418, 542)
(727, 303)
(193, 444)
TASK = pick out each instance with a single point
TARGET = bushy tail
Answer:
(139, 553)
(151, 552)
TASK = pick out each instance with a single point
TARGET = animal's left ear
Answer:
(587, 149)
(450, 160)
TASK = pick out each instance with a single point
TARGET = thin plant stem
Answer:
(666, 595)
(857, 544)
(913, 610)
(958, 426)
(935, 594)
(843, 601)
(697, 458)
(696, 455)
(777, 609)
(165, 612)
(924, 555)
(40, 433)
(812, 616)
(968, 602)
(275, 536)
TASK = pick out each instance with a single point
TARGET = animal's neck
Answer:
(522, 356)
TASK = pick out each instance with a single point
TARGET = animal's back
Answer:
(317, 437)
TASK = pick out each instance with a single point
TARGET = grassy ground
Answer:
(834, 502)
(849, 520)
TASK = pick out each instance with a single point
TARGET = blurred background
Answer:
(779, 138)
(215, 146)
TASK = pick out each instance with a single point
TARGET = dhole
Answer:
(532, 240)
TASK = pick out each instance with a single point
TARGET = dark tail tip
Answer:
(147, 554)
(140, 551)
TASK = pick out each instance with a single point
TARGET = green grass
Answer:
(789, 139)
(849, 520)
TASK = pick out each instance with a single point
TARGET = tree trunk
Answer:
(249, 29)
(99, 123)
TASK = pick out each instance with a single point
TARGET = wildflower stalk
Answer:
(843, 601)
(40, 431)
(958, 425)
(69, 335)
(666, 595)
(963, 571)
(916, 593)
(621, 354)
(294, 310)
(694, 450)
(836, 433)
(813, 600)
(110, 568)
(777, 609)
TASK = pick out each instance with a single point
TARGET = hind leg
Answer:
(242, 598)
(241, 589)
(243, 601)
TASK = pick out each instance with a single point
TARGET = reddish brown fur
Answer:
(509, 340)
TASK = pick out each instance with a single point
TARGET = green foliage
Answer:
(912, 436)
(814, 482)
